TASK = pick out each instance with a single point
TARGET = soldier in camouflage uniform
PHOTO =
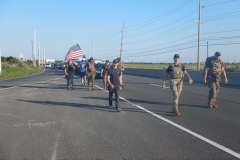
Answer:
(176, 71)
(104, 74)
(69, 70)
(91, 73)
(121, 67)
(212, 75)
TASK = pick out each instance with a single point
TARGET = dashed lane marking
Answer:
(157, 85)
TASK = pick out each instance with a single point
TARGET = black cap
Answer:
(176, 55)
(115, 61)
(107, 60)
(118, 58)
(217, 54)
(91, 59)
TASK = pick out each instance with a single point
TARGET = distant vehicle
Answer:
(59, 66)
(55, 65)
(98, 67)
(48, 65)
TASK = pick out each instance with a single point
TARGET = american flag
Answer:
(74, 52)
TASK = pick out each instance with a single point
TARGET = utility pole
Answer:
(0, 61)
(207, 48)
(32, 53)
(39, 54)
(199, 30)
(34, 48)
(121, 43)
(92, 49)
(44, 56)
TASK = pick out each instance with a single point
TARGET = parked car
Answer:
(48, 65)
(59, 66)
(98, 67)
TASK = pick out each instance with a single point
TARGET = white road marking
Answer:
(221, 147)
(54, 155)
(30, 124)
(157, 85)
(28, 84)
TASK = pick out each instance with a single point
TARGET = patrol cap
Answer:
(107, 60)
(217, 54)
(115, 61)
(118, 58)
(91, 59)
(176, 55)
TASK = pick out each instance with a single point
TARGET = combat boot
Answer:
(210, 103)
(176, 111)
(89, 87)
(68, 87)
(214, 105)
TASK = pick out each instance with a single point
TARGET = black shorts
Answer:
(82, 74)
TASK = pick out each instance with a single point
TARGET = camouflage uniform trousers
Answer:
(214, 89)
(105, 82)
(176, 87)
(91, 77)
(70, 79)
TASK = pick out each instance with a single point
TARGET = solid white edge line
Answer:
(221, 147)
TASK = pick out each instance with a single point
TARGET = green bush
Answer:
(12, 67)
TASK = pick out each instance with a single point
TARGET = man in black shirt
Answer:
(114, 84)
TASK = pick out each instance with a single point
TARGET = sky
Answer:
(153, 30)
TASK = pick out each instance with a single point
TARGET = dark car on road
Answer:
(98, 67)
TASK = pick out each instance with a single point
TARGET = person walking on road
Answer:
(69, 70)
(114, 84)
(82, 69)
(212, 76)
(104, 74)
(176, 72)
(91, 73)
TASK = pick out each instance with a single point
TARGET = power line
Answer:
(160, 17)
(164, 35)
(218, 3)
(181, 44)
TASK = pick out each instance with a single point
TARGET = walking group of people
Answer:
(112, 77)
(211, 75)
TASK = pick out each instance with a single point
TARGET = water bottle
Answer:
(190, 81)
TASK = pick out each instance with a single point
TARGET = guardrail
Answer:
(233, 77)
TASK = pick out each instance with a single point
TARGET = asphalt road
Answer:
(41, 119)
